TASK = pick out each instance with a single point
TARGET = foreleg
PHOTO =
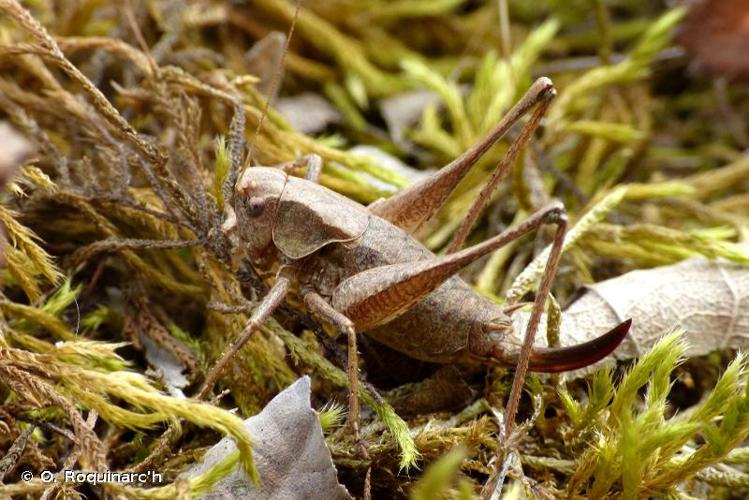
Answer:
(270, 302)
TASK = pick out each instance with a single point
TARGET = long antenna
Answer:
(274, 85)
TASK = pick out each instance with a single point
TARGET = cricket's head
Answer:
(259, 191)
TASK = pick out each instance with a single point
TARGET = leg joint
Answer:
(347, 326)
(556, 213)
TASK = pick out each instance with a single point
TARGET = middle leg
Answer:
(320, 308)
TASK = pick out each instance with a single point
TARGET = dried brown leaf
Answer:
(716, 33)
(264, 60)
(290, 453)
(709, 299)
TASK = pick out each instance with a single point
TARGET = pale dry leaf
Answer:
(403, 111)
(171, 370)
(708, 299)
(289, 451)
(14, 150)
(308, 112)
(389, 162)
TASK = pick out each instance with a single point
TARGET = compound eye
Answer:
(255, 206)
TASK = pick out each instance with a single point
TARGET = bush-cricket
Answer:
(360, 270)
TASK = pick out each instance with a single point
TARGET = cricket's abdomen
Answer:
(439, 327)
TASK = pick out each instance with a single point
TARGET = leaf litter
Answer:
(290, 453)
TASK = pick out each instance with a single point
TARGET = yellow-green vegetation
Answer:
(634, 443)
(142, 115)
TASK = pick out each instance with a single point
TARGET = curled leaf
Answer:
(708, 299)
